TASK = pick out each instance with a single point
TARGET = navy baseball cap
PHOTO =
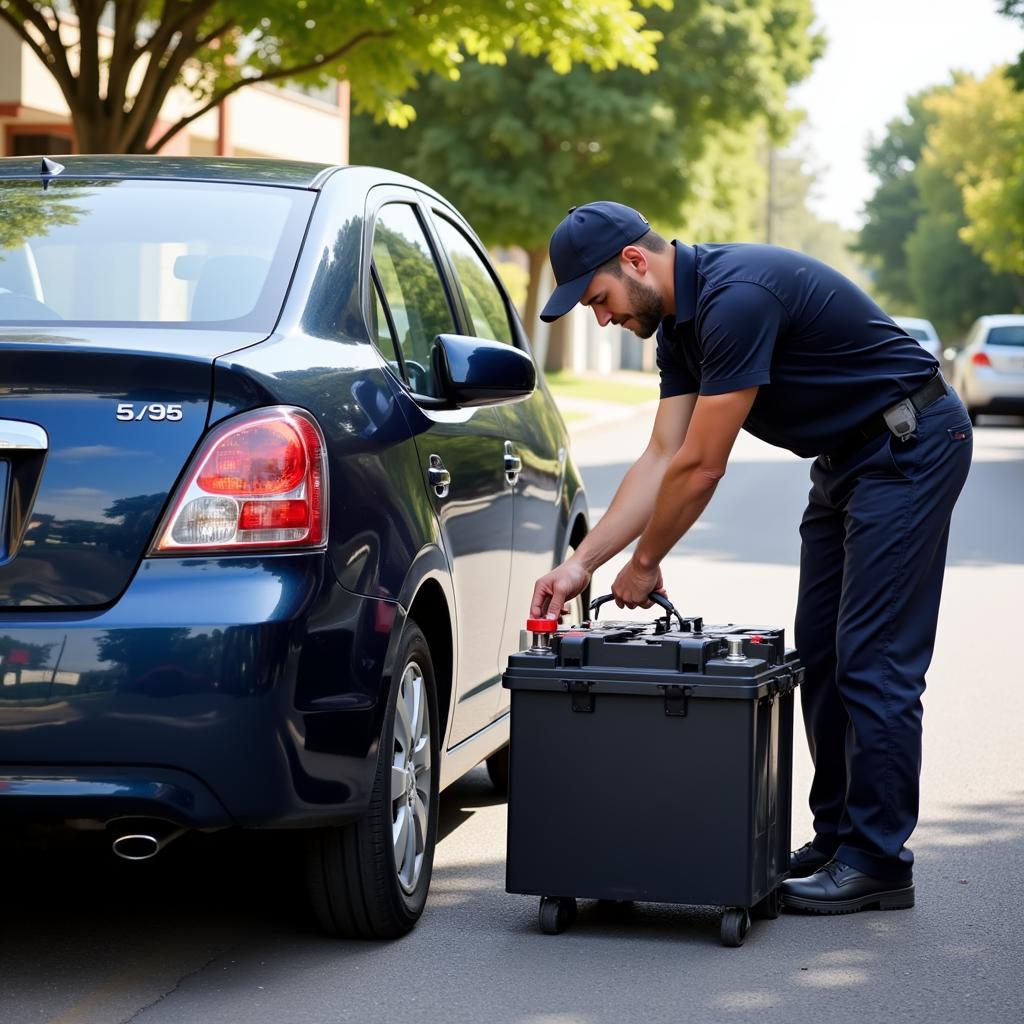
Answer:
(585, 240)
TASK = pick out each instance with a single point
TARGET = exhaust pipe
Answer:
(142, 838)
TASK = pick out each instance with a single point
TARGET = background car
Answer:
(923, 332)
(278, 474)
(988, 372)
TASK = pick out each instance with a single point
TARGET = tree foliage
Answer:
(894, 209)
(118, 61)
(977, 142)
(518, 146)
(912, 232)
(1015, 9)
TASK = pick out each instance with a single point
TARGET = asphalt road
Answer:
(212, 932)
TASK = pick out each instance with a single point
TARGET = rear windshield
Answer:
(147, 253)
(1013, 335)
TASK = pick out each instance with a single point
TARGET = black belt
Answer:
(876, 425)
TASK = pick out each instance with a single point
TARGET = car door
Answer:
(461, 451)
(534, 448)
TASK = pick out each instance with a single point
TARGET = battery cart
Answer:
(651, 763)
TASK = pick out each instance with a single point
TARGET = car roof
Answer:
(1002, 320)
(223, 169)
(242, 170)
(914, 321)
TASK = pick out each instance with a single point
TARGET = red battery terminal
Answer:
(540, 632)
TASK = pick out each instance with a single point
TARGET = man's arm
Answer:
(687, 484)
(627, 515)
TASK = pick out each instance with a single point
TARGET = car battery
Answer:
(651, 762)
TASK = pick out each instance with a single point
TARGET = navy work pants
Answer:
(872, 558)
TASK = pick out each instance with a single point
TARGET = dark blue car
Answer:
(277, 475)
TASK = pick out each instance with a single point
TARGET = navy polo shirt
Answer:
(824, 355)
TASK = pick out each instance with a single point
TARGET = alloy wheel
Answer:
(410, 777)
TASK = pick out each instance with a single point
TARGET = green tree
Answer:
(911, 236)
(893, 211)
(118, 62)
(519, 145)
(977, 142)
(1014, 9)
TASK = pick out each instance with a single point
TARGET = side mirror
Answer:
(474, 372)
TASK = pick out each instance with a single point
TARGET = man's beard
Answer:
(646, 303)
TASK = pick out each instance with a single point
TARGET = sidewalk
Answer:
(585, 401)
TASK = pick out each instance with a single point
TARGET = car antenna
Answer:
(49, 169)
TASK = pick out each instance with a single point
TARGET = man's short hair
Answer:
(652, 242)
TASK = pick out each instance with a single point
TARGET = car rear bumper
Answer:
(215, 692)
(986, 389)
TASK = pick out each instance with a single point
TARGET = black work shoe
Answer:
(806, 861)
(840, 889)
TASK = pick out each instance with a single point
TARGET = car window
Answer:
(382, 335)
(485, 302)
(148, 253)
(917, 334)
(1010, 335)
(413, 292)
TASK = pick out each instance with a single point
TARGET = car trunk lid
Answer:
(111, 419)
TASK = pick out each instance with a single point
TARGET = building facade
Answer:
(260, 120)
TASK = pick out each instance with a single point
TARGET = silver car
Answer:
(988, 372)
(923, 332)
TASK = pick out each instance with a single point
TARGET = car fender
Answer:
(430, 567)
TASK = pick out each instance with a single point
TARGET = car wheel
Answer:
(369, 879)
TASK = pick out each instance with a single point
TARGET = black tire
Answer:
(556, 914)
(735, 925)
(497, 770)
(770, 907)
(352, 872)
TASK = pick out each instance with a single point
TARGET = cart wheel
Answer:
(556, 914)
(770, 907)
(735, 925)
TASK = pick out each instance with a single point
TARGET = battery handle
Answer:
(659, 599)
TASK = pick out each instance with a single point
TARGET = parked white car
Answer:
(923, 332)
(988, 372)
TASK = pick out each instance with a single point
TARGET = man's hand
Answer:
(633, 586)
(551, 592)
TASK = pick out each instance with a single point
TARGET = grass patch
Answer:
(601, 389)
(571, 415)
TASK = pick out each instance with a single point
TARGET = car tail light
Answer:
(258, 481)
(980, 359)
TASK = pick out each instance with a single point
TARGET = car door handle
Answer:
(513, 464)
(439, 477)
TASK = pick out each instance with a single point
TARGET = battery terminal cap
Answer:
(542, 625)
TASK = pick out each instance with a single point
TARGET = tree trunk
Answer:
(538, 259)
(559, 347)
